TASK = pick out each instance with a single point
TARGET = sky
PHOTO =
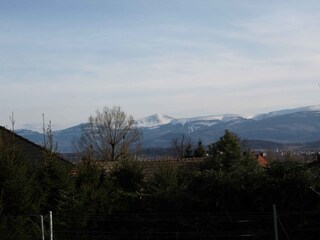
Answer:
(183, 58)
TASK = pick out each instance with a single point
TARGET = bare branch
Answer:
(110, 134)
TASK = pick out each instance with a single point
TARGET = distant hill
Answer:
(272, 130)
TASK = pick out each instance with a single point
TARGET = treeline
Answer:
(227, 196)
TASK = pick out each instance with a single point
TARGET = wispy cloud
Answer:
(184, 59)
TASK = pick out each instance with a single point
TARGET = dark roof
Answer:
(30, 151)
(150, 167)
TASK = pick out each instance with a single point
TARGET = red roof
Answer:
(262, 161)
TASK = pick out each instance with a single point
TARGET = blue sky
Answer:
(68, 58)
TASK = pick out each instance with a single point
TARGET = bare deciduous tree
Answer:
(182, 147)
(109, 135)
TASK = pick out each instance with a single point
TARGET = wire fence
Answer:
(185, 226)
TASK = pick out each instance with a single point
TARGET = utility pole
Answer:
(51, 227)
(42, 227)
(275, 222)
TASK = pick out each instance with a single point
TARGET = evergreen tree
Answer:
(200, 151)
(227, 150)
(55, 186)
(92, 191)
(128, 175)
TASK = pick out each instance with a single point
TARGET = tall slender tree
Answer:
(200, 151)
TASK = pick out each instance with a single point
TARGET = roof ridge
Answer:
(34, 144)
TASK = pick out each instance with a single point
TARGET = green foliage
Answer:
(92, 195)
(166, 189)
(287, 181)
(229, 148)
(128, 175)
(226, 151)
(55, 185)
(165, 177)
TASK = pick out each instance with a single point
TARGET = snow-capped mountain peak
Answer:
(154, 120)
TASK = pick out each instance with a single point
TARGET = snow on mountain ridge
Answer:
(211, 118)
(157, 120)
(315, 108)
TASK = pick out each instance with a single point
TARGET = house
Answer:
(31, 152)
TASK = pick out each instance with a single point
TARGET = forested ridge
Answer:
(227, 196)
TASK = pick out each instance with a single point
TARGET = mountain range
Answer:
(299, 125)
